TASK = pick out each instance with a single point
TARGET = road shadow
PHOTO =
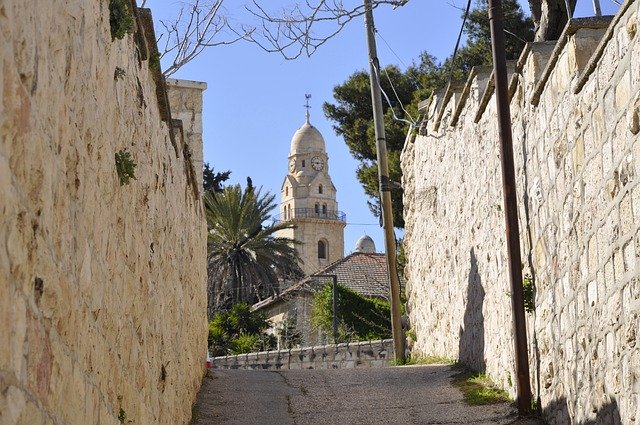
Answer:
(557, 413)
(471, 349)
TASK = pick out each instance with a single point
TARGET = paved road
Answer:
(394, 395)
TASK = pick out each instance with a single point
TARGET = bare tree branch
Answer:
(198, 25)
(302, 28)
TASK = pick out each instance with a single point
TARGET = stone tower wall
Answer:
(102, 286)
(575, 113)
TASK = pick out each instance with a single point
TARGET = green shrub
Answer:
(120, 19)
(125, 167)
(239, 330)
(245, 343)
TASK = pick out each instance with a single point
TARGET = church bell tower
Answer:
(309, 201)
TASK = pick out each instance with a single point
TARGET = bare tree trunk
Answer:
(550, 17)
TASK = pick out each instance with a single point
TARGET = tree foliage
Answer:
(239, 330)
(213, 180)
(352, 111)
(245, 257)
(359, 318)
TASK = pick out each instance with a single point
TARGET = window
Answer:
(317, 209)
(289, 208)
(322, 250)
(320, 189)
(286, 191)
(303, 162)
(324, 209)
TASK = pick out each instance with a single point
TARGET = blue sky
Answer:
(254, 102)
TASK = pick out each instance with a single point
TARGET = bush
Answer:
(120, 19)
(239, 330)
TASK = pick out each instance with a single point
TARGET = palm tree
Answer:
(245, 258)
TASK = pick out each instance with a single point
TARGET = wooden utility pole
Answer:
(385, 189)
(496, 20)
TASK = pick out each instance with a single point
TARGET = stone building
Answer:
(309, 201)
(363, 271)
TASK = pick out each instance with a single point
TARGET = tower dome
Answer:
(366, 245)
(307, 140)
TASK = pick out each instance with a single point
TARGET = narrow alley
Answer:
(393, 395)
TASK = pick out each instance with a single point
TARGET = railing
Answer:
(363, 354)
(312, 213)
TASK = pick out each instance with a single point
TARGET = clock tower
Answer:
(309, 201)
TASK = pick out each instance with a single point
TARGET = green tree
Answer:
(245, 257)
(352, 112)
(239, 330)
(212, 180)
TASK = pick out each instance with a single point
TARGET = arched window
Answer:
(317, 209)
(324, 209)
(286, 191)
(303, 162)
(320, 189)
(322, 250)
(289, 208)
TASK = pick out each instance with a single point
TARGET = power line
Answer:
(455, 50)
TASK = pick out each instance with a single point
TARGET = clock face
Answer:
(317, 163)
(292, 165)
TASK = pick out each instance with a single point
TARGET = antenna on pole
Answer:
(307, 97)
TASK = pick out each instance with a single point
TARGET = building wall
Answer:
(102, 286)
(296, 310)
(309, 232)
(575, 116)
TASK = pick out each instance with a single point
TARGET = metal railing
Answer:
(312, 213)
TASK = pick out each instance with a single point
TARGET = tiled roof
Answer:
(361, 272)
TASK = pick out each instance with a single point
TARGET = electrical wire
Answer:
(455, 50)
(393, 112)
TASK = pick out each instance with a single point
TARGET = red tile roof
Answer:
(361, 272)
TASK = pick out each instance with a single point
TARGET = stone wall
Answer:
(338, 356)
(102, 285)
(575, 113)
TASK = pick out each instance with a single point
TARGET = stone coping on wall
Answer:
(489, 89)
(186, 84)
(482, 74)
(595, 57)
(363, 354)
(572, 27)
(546, 53)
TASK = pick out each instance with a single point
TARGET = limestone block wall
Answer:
(102, 285)
(185, 98)
(575, 115)
(364, 354)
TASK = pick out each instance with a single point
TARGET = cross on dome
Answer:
(307, 106)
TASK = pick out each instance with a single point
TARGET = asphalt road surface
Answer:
(394, 395)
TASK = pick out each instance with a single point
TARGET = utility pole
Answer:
(496, 18)
(385, 189)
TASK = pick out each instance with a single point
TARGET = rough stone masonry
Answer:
(102, 285)
(575, 115)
